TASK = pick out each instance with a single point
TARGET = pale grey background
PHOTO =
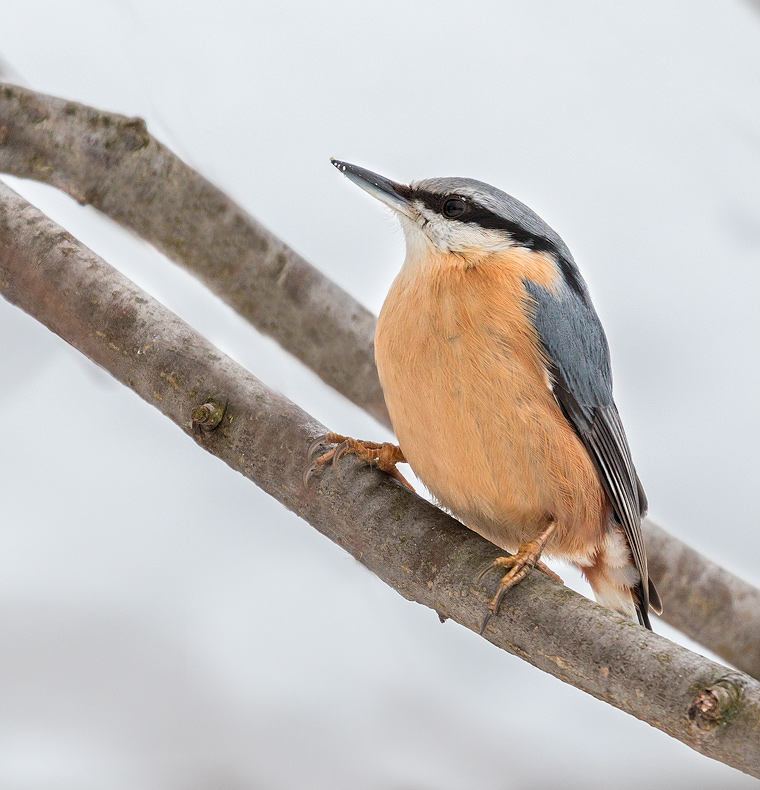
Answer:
(166, 625)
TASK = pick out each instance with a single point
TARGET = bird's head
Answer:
(462, 216)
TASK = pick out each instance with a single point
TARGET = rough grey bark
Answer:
(417, 549)
(113, 163)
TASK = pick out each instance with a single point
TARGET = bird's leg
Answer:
(518, 566)
(384, 455)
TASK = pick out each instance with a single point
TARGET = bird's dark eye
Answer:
(454, 207)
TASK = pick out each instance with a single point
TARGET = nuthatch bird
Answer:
(496, 373)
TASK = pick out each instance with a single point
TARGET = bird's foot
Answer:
(384, 455)
(518, 566)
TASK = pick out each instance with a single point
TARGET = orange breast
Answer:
(471, 405)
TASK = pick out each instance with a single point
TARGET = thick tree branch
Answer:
(414, 547)
(113, 163)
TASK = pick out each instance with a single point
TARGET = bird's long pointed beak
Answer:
(394, 195)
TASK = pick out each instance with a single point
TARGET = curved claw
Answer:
(339, 452)
(485, 622)
(307, 473)
(324, 458)
(498, 563)
(496, 603)
(315, 445)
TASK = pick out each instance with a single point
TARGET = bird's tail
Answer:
(615, 580)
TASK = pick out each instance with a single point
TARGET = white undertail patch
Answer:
(613, 575)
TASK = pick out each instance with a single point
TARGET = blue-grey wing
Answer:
(576, 348)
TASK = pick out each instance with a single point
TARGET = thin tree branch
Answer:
(113, 163)
(417, 549)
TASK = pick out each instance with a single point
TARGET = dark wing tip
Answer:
(643, 607)
(643, 616)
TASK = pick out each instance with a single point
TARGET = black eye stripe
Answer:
(475, 214)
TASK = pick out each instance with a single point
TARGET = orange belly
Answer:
(471, 405)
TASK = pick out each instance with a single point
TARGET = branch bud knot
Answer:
(717, 704)
(209, 415)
